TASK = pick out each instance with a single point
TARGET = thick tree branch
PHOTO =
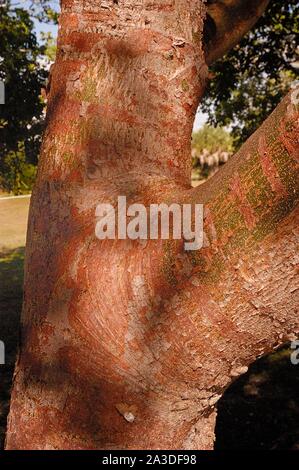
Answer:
(252, 223)
(227, 22)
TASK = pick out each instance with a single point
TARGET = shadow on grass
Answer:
(11, 293)
(261, 409)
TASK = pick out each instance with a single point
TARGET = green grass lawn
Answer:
(11, 291)
(13, 222)
(13, 226)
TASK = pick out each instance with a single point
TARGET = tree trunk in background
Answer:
(130, 345)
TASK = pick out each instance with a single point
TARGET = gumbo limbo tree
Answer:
(127, 344)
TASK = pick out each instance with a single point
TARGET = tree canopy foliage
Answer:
(212, 139)
(24, 74)
(252, 78)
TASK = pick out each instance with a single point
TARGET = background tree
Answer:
(23, 70)
(252, 78)
(211, 147)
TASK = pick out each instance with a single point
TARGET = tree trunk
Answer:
(126, 344)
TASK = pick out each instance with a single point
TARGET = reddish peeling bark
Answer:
(125, 344)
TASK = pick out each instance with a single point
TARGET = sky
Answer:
(200, 118)
(40, 27)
